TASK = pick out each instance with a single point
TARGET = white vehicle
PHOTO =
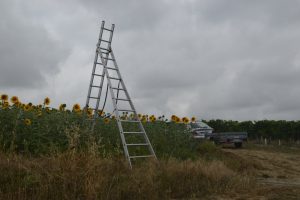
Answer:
(200, 130)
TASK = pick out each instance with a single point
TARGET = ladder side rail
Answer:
(101, 87)
(94, 66)
(118, 119)
(132, 106)
(104, 60)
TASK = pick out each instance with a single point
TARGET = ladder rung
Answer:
(97, 75)
(108, 58)
(104, 49)
(140, 144)
(117, 88)
(105, 41)
(133, 132)
(107, 29)
(99, 63)
(121, 99)
(96, 86)
(125, 110)
(113, 78)
(133, 121)
(93, 97)
(146, 156)
(111, 68)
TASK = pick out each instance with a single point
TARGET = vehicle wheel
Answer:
(238, 144)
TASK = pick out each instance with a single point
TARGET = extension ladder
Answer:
(106, 62)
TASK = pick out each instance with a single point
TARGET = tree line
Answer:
(274, 129)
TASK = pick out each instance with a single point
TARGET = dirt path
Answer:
(278, 173)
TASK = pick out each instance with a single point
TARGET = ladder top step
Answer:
(145, 156)
(140, 144)
(107, 29)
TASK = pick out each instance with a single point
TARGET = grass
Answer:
(85, 176)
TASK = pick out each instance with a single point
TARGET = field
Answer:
(49, 153)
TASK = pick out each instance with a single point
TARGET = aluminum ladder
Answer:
(105, 62)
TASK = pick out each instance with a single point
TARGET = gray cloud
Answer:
(27, 52)
(212, 59)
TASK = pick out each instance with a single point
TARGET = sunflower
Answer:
(76, 107)
(152, 119)
(48, 110)
(27, 122)
(47, 101)
(177, 120)
(27, 107)
(106, 120)
(4, 97)
(193, 119)
(62, 107)
(101, 113)
(144, 119)
(14, 99)
(89, 112)
(185, 120)
(173, 118)
(5, 104)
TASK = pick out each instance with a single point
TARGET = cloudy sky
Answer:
(228, 59)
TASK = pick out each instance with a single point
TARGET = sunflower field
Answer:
(42, 130)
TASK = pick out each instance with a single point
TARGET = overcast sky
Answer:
(228, 59)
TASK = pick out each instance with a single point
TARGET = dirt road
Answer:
(278, 173)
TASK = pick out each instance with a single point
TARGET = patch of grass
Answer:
(84, 176)
(284, 148)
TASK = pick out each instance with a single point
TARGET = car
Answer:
(200, 130)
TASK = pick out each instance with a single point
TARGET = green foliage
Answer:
(280, 129)
(53, 131)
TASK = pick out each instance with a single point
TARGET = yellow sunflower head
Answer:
(144, 119)
(4, 97)
(89, 111)
(5, 104)
(62, 107)
(185, 120)
(47, 101)
(173, 118)
(27, 122)
(27, 107)
(106, 120)
(101, 113)
(193, 119)
(14, 99)
(76, 107)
